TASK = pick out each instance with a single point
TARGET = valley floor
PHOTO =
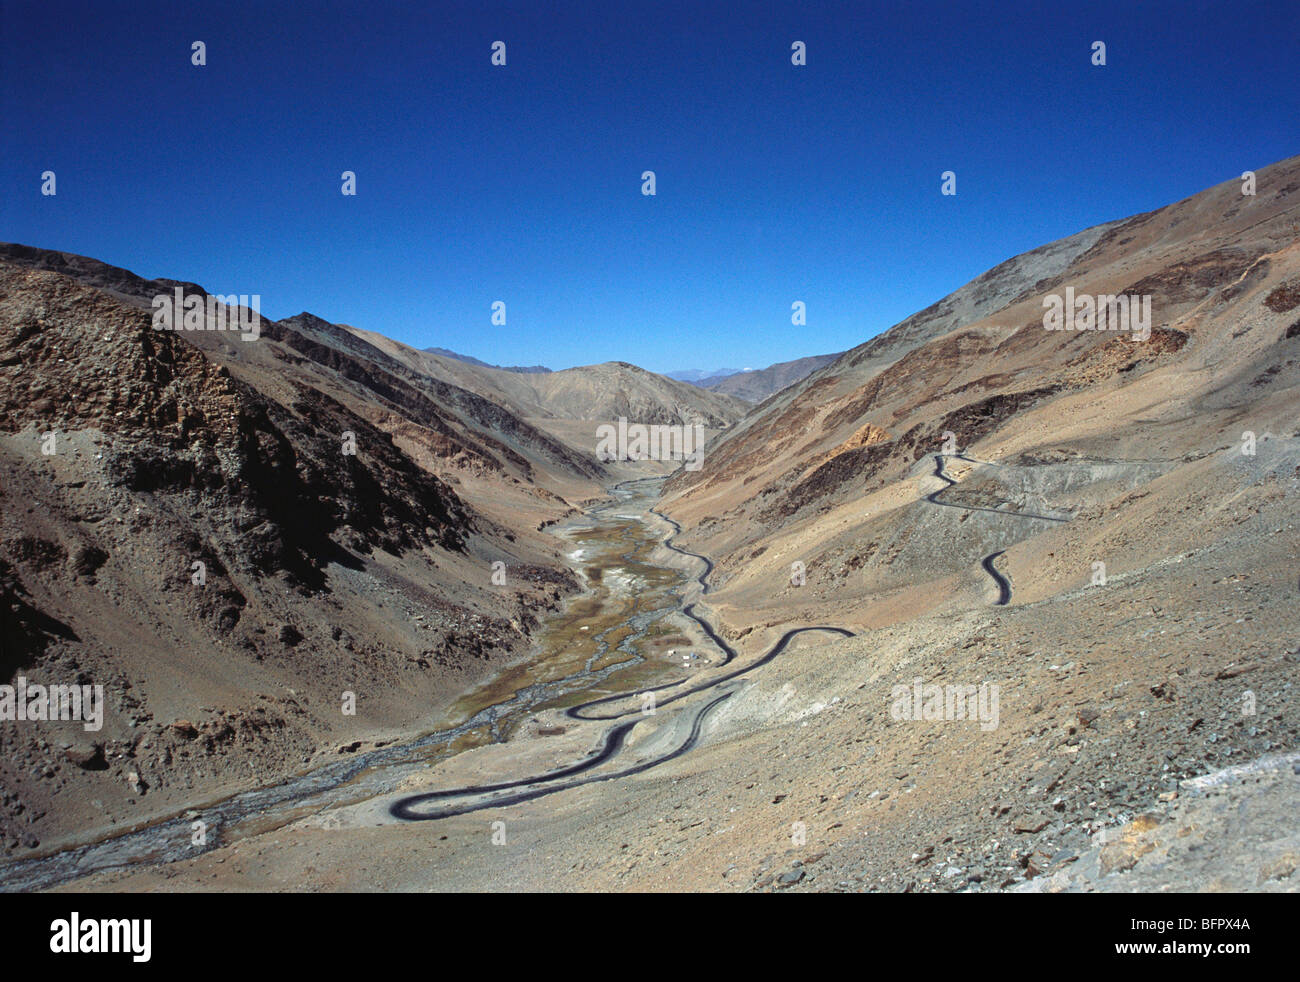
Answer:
(1145, 739)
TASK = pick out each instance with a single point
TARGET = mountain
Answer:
(759, 385)
(591, 393)
(231, 534)
(697, 374)
(446, 353)
(1123, 435)
(1098, 533)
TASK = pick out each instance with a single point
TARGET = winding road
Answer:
(939, 472)
(613, 741)
(409, 808)
(1003, 584)
(169, 839)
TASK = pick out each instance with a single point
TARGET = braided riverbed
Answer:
(595, 661)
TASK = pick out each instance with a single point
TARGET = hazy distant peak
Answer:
(471, 360)
(698, 374)
(756, 385)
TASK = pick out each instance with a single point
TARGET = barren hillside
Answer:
(836, 472)
(592, 393)
(764, 383)
(229, 535)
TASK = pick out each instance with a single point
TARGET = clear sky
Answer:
(522, 183)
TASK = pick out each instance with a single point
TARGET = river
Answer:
(611, 641)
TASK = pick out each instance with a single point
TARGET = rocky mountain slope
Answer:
(1104, 528)
(470, 360)
(765, 382)
(834, 471)
(591, 393)
(231, 535)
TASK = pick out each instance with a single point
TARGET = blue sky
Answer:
(522, 183)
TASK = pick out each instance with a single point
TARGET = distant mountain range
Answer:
(760, 385)
(750, 385)
(469, 360)
(588, 393)
(742, 383)
(697, 375)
